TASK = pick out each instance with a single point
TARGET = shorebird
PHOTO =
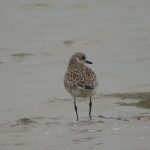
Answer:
(80, 80)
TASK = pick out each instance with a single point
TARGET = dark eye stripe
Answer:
(83, 57)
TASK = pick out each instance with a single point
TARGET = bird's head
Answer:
(79, 58)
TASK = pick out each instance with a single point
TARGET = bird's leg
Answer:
(90, 107)
(75, 107)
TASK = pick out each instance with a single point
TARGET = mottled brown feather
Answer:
(79, 76)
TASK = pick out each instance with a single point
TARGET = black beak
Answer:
(88, 62)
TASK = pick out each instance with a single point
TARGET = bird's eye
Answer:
(83, 57)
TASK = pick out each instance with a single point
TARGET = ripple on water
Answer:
(81, 140)
(54, 123)
(85, 122)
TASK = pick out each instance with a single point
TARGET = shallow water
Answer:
(37, 38)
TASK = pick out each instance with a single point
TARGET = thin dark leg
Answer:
(90, 107)
(75, 107)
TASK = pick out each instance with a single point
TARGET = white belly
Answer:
(82, 92)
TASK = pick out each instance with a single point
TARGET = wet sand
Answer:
(37, 38)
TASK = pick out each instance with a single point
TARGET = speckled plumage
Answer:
(80, 80)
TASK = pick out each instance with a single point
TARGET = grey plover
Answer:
(80, 80)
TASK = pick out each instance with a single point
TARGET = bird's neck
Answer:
(76, 65)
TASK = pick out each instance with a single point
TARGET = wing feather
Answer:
(75, 79)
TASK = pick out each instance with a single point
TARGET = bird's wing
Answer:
(76, 79)
(87, 79)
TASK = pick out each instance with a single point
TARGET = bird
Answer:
(80, 80)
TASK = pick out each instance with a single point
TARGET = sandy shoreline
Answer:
(53, 126)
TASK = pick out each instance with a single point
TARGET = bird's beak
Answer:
(88, 62)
